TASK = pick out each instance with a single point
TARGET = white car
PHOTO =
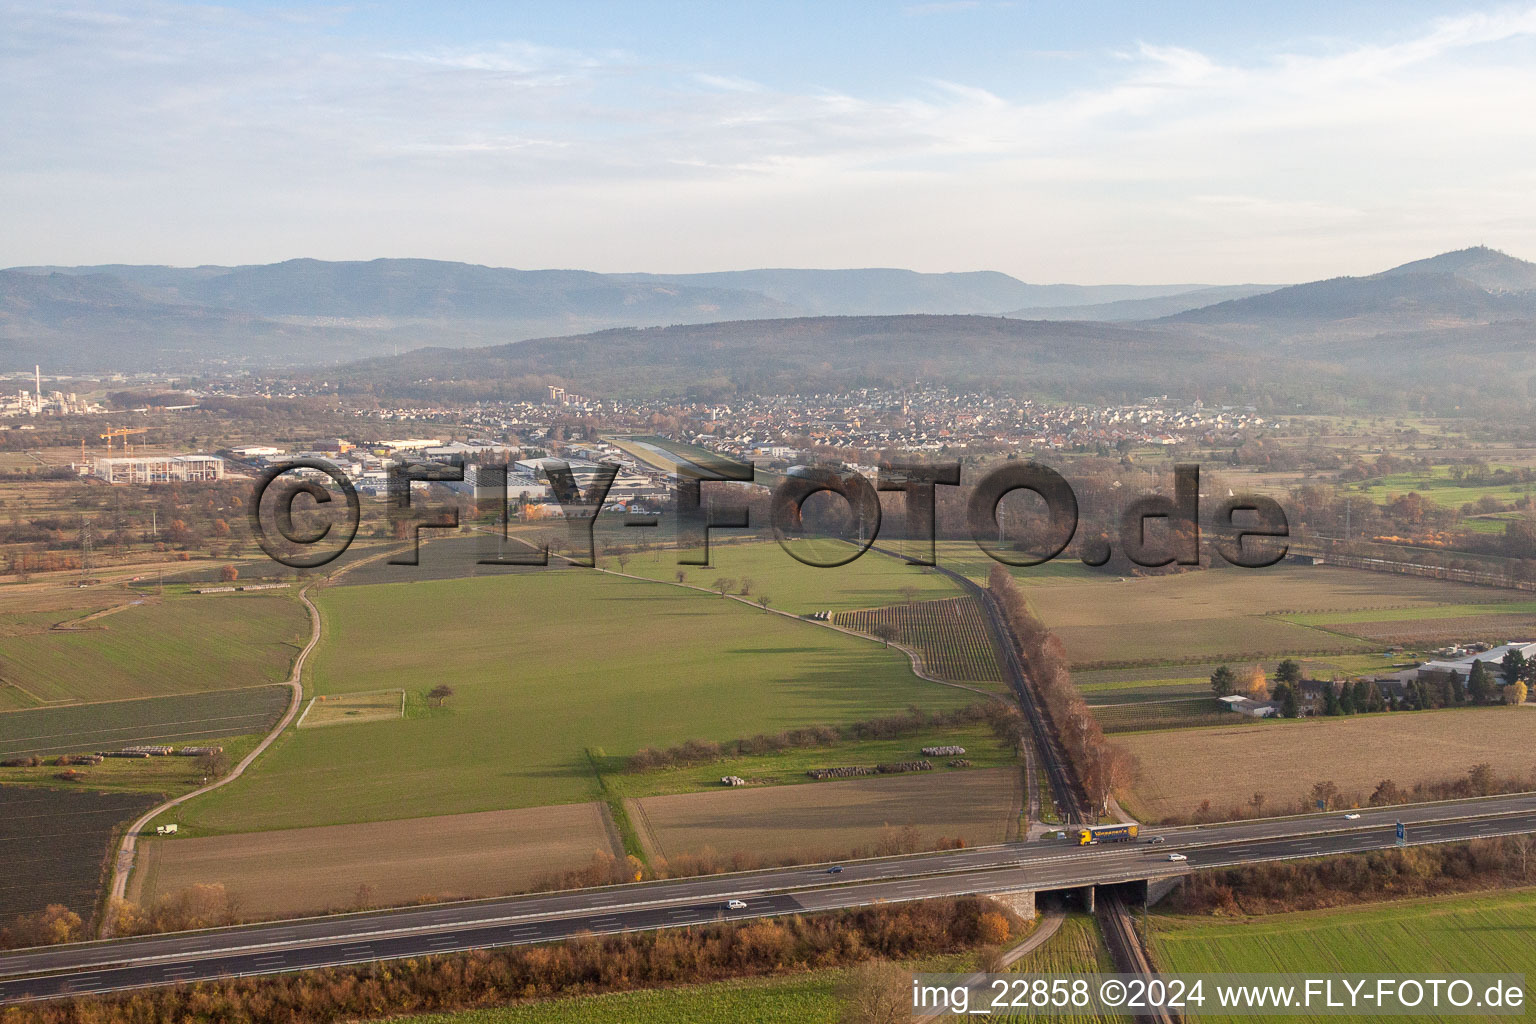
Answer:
(1177, 856)
(1351, 816)
(736, 905)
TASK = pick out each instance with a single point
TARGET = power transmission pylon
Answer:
(85, 549)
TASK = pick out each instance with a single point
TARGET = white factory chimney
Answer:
(37, 390)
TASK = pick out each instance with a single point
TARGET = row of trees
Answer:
(1336, 881)
(915, 720)
(198, 906)
(1102, 766)
(1480, 780)
(582, 966)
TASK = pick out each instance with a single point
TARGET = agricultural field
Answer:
(965, 558)
(451, 857)
(1234, 638)
(550, 669)
(178, 644)
(1422, 633)
(1125, 686)
(873, 580)
(54, 844)
(176, 720)
(1076, 948)
(443, 555)
(1190, 712)
(788, 767)
(809, 998)
(352, 709)
(1281, 590)
(1439, 487)
(162, 776)
(950, 636)
(828, 820)
(1466, 934)
(1282, 759)
(1236, 615)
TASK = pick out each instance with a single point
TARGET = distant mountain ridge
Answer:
(882, 291)
(1426, 327)
(1152, 307)
(314, 312)
(1451, 329)
(1466, 287)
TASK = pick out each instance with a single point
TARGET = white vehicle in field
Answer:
(165, 830)
(736, 905)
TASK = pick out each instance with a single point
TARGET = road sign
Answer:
(1401, 834)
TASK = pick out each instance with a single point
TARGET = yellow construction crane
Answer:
(123, 433)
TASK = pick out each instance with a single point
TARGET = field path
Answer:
(123, 864)
(1050, 923)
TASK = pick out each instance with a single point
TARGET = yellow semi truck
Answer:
(1094, 834)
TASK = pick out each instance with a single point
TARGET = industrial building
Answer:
(159, 469)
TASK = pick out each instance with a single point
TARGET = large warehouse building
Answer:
(159, 469)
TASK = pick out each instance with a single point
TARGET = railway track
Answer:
(1125, 943)
(1126, 947)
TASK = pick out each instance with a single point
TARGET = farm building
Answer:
(1461, 668)
(1250, 707)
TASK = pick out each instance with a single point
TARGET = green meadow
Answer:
(181, 644)
(870, 581)
(1494, 933)
(799, 999)
(552, 672)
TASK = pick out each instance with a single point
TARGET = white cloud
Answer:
(198, 133)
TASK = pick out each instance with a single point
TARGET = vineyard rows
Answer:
(950, 636)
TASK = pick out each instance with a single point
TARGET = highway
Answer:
(119, 964)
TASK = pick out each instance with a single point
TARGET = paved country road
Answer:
(117, 964)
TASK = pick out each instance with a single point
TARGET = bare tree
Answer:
(908, 593)
(1522, 845)
(213, 765)
(438, 694)
(877, 992)
(885, 631)
(763, 601)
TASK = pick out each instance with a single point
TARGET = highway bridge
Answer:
(1043, 865)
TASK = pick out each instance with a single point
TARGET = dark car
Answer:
(1157, 839)
(835, 869)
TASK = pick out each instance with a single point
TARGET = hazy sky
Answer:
(1138, 142)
